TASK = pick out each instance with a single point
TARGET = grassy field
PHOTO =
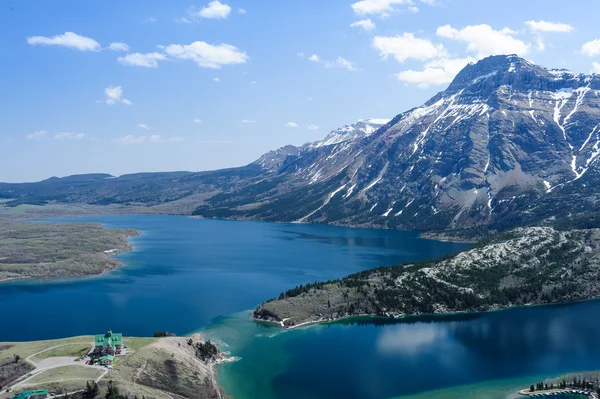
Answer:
(134, 343)
(72, 350)
(154, 367)
(25, 349)
(66, 373)
(44, 250)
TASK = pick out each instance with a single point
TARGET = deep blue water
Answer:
(184, 272)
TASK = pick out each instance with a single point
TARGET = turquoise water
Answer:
(366, 358)
(188, 274)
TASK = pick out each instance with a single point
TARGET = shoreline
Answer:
(403, 317)
(434, 236)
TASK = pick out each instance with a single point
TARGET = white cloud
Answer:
(199, 121)
(314, 58)
(150, 20)
(152, 139)
(366, 24)
(435, 72)
(409, 339)
(595, 67)
(206, 55)
(291, 124)
(118, 46)
(539, 44)
(148, 60)
(483, 40)
(217, 80)
(545, 26)
(247, 121)
(313, 127)
(300, 54)
(67, 39)
(143, 126)
(183, 20)
(341, 62)
(241, 11)
(114, 95)
(429, 2)
(69, 136)
(309, 98)
(591, 48)
(378, 7)
(253, 82)
(214, 10)
(36, 135)
(407, 47)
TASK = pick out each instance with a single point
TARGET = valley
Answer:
(506, 158)
(507, 144)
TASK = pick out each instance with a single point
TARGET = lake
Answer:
(184, 272)
(187, 274)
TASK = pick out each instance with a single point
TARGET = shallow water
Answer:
(485, 355)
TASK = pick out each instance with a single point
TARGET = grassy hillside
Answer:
(44, 250)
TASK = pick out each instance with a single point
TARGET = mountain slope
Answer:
(504, 133)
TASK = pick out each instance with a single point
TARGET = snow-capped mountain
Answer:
(362, 128)
(505, 132)
(507, 143)
(274, 160)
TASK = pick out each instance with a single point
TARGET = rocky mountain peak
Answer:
(362, 128)
(481, 81)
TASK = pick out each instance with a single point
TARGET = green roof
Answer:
(27, 394)
(109, 338)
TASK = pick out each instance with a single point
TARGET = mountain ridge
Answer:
(505, 140)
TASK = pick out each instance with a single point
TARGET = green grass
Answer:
(24, 349)
(65, 373)
(44, 250)
(135, 343)
(72, 350)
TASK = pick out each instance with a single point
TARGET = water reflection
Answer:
(384, 358)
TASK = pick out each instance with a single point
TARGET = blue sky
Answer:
(131, 86)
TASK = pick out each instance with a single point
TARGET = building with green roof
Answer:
(107, 346)
(38, 394)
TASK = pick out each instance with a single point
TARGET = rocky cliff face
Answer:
(504, 135)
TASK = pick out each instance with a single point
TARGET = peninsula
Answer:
(56, 250)
(525, 266)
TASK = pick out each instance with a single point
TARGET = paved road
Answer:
(51, 363)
